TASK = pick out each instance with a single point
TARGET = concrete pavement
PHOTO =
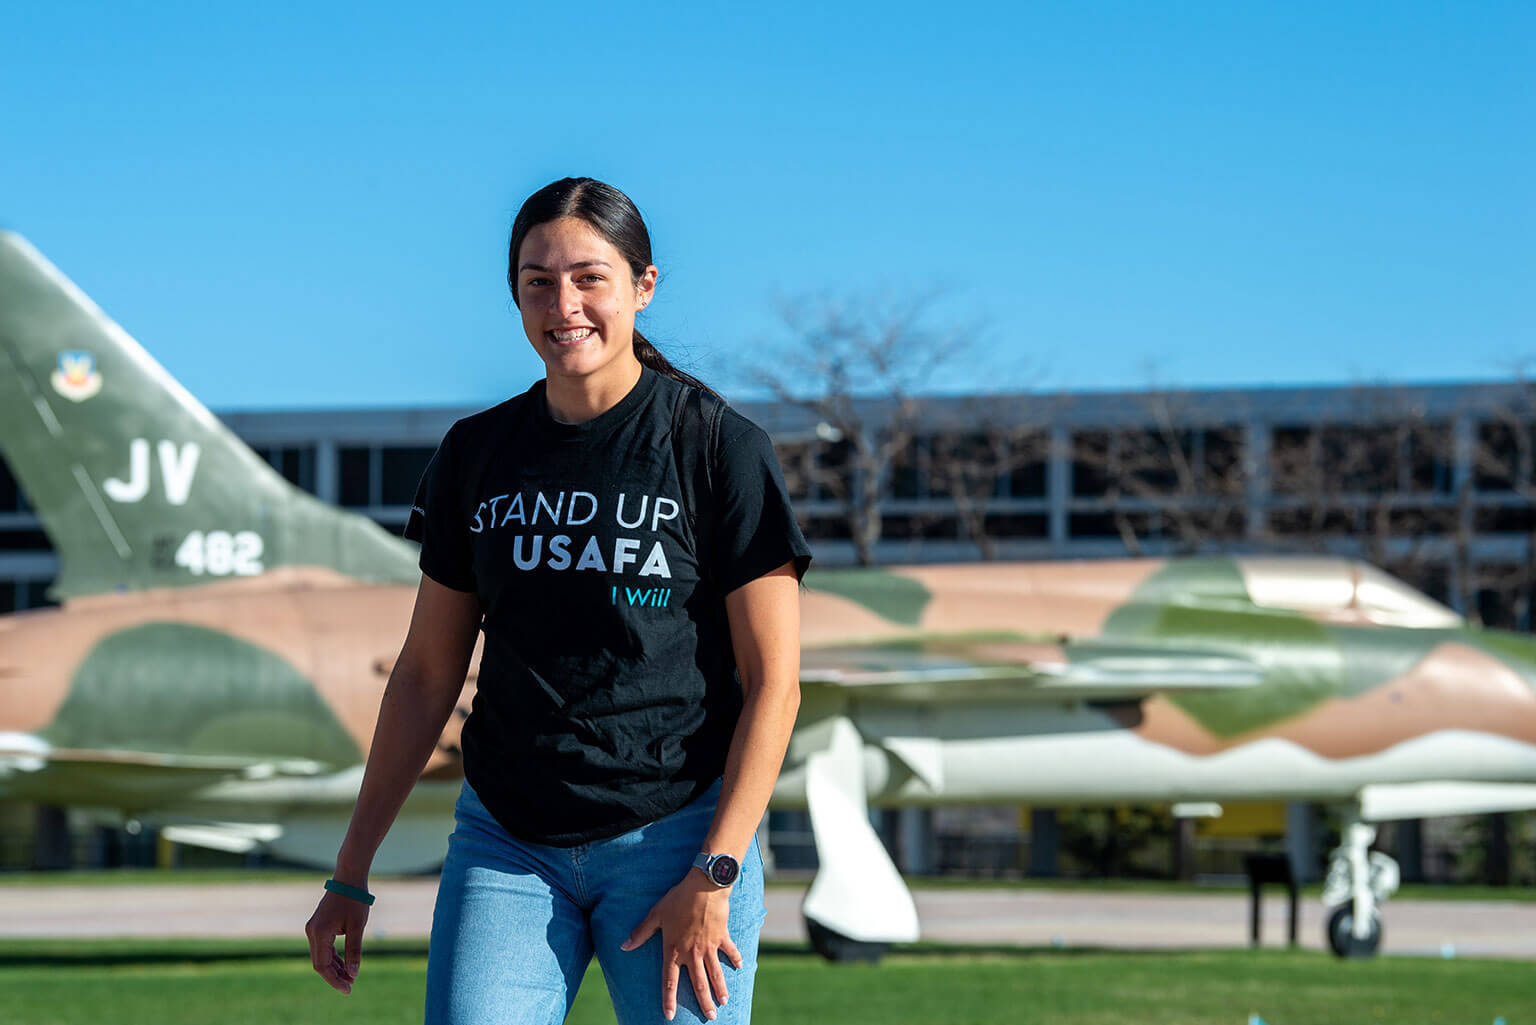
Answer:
(1074, 918)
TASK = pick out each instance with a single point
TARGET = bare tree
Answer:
(1382, 486)
(1504, 463)
(857, 366)
(968, 466)
(1183, 485)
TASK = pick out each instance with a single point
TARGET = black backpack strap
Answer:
(695, 438)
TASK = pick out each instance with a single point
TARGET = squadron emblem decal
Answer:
(76, 378)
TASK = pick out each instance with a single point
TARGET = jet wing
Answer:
(1384, 802)
(28, 753)
(1024, 672)
(33, 769)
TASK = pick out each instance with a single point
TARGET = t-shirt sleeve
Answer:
(437, 521)
(755, 528)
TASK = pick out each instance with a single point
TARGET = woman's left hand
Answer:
(692, 918)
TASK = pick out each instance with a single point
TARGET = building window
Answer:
(1092, 464)
(1319, 519)
(1092, 525)
(920, 526)
(796, 459)
(1155, 462)
(906, 471)
(1504, 599)
(1362, 460)
(1220, 465)
(1293, 462)
(1506, 519)
(1415, 520)
(10, 492)
(35, 594)
(295, 462)
(834, 470)
(1017, 525)
(1427, 453)
(24, 539)
(975, 465)
(1028, 457)
(826, 528)
(401, 469)
(1502, 461)
(354, 463)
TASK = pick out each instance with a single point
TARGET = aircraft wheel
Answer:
(1340, 933)
(834, 946)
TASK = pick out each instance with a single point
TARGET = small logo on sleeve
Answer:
(76, 377)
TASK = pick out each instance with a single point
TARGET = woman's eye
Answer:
(535, 282)
(591, 277)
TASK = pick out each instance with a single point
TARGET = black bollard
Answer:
(1269, 868)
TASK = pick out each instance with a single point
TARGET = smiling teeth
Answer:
(572, 336)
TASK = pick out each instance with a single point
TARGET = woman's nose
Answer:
(567, 298)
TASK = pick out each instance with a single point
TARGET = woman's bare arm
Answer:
(693, 917)
(420, 695)
(765, 633)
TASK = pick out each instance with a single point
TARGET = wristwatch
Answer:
(722, 869)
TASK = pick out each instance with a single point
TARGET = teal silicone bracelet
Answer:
(349, 891)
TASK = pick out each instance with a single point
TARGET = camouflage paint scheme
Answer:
(224, 639)
(1200, 679)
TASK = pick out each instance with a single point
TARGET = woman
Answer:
(632, 553)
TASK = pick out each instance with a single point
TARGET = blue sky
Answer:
(307, 205)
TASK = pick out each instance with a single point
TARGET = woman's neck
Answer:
(575, 400)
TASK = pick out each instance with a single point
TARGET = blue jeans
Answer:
(517, 923)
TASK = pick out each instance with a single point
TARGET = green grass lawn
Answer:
(176, 877)
(59, 982)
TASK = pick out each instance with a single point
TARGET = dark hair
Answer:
(613, 216)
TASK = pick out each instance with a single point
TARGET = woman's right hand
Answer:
(337, 916)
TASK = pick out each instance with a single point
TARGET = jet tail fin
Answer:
(135, 482)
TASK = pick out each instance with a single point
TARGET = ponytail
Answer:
(650, 356)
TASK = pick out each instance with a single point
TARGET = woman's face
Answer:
(578, 299)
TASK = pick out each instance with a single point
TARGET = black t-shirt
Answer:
(607, 691)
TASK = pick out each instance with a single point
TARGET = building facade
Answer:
(1435, 483)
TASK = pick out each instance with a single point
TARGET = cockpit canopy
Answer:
(1341, 591)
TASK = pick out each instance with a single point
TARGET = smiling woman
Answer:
(626, 542)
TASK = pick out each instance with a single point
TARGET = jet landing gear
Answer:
(1341, 933)
(1359, 881)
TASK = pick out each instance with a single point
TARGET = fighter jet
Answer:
(216, 666)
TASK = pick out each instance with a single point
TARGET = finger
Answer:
(700, 980)
(354, 948)
(716, 979)
(321, 941)
(331, 973)
(732, 953)
(668, 987)
(642, 932)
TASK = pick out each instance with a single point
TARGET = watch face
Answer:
(724, 870)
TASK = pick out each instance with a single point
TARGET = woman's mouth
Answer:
(569, 336)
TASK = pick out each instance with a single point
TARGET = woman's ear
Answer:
(645, 288)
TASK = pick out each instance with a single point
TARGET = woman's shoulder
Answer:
(491, 422)
(731, 425)
(735, 426)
